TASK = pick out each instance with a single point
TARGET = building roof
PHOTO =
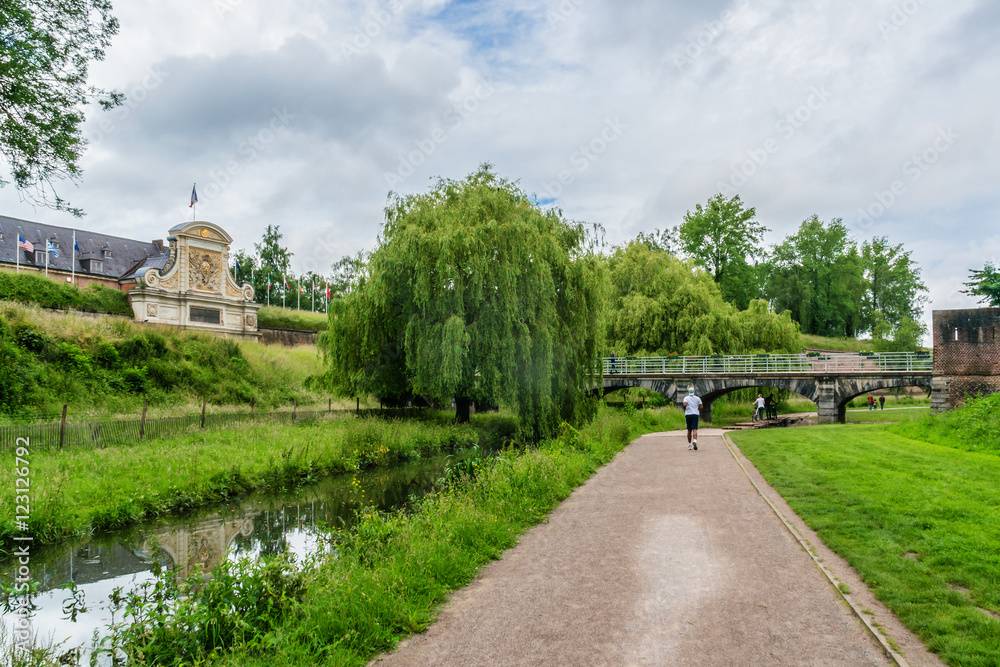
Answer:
(127, 255)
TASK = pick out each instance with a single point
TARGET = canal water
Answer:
(253, 527)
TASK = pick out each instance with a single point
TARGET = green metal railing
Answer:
(847, 362)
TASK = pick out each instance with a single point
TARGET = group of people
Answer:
(872, 402)
(765, 407)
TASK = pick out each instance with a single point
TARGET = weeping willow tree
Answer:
(660, 304)
(474, 294)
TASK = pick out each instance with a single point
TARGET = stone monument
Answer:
(194, 289)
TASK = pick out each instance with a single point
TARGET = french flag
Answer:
(194, 195)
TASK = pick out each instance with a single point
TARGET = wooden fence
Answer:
(118, 432)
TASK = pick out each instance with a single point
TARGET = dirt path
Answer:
(665, 557)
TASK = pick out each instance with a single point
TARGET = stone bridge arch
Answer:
(830, 393)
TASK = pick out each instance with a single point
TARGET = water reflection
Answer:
(257, 526)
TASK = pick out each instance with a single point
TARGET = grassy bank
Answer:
(918, 521)
(110, 365)
(35, 289)
(974, 428)
(74, 492)
(274, 317)
(391, 572)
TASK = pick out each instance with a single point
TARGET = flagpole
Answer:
(298, 303)
(72, 264)
(17, 250)
(312, 307)
(194, 202)
(284, 289)
(46, 257)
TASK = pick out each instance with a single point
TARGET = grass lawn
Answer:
(886, 416)
(276, 317)
(919, 522)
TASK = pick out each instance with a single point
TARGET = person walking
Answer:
(768, 406)
(612, 361)
(871, 401)
(758, 413)
(692, 410)
(881, 402)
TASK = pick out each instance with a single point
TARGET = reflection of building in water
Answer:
(85, 564)
(204, 545)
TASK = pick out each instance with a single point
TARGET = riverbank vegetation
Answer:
(387, 575)
(110, 365)
(973, 428)
(79, 491)
(917, 520)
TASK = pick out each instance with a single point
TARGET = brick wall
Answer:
(967, 342)
(966, 355)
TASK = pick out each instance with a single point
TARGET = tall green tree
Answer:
(45, 51)
(893, 290)
(817, 275)
(985, 283)
(721, 237)
(660, 304)
(273, 264)
(474, 293)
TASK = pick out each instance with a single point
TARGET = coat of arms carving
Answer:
(204, 271)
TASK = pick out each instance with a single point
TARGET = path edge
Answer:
(890, 653)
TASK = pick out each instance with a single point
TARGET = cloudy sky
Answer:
(306, 113)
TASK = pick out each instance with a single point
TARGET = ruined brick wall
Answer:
(967, 352)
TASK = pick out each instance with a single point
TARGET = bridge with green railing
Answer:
(829, 379)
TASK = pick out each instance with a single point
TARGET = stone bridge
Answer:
(829, 391)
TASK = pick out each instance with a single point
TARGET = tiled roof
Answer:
(127, 255)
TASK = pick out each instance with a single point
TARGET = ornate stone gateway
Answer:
(194, 289)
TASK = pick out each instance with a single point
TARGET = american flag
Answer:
(24, 243)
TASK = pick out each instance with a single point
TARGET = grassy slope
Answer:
(875, 497)
(840, 344)
(287, 318)
(70, 362)
(32, 288)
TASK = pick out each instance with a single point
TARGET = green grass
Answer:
(886, 416)
(75, 492)
(32, 288)
(391, 572)
(273, 317)
(914, 519)
(974, 428)
(837, 344)
(109, 365)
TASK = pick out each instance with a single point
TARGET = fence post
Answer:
(295, 408)
(329, 406)
(203, 401)
(142, 422)
(253, 403)
(62, 428)
(357, 405)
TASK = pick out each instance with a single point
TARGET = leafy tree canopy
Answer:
(721, 237)
(474, 293)
(45, 51)
(985, 283)
(661, 304)
(893, 290)
(816, 274)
